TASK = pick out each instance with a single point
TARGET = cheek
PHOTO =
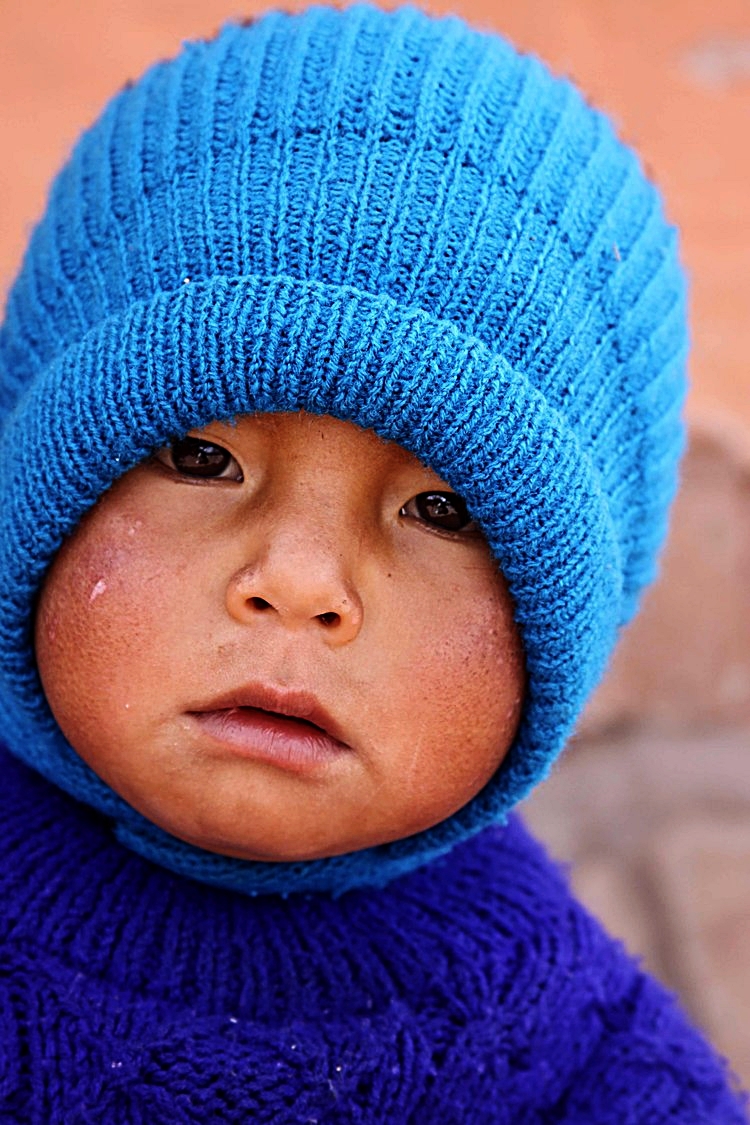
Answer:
(473, 677)
(96, 640)
(458, 684)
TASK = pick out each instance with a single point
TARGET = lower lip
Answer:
(282, 741)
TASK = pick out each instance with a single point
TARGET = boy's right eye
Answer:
(197, 457)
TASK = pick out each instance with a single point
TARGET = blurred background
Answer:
(651, 801)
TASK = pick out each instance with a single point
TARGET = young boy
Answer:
(341, 388)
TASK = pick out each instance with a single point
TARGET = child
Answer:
(341, 388)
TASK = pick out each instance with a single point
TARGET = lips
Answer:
(285, 727)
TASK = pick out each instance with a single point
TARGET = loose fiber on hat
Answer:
(384, 217)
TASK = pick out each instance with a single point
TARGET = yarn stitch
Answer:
(395, 220)
(474, 991)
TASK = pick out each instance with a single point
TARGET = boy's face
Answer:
(288, 563)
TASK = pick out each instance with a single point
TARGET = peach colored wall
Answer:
(675, 74)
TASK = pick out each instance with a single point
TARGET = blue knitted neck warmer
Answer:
(391, 219)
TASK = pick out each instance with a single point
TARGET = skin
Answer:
(314, 572)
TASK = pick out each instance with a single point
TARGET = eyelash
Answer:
(459, 516)
(202, 452)
(208, 455)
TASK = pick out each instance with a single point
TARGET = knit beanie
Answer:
(392, 219)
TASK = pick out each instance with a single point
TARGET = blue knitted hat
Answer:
(391, 219)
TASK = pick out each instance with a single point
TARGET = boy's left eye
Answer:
(197, 457)
(445, 511)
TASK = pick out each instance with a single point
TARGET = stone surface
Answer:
(657, 828)
(685, 660)
(701, 873)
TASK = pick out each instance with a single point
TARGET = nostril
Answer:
(259, 603)
(330, 618)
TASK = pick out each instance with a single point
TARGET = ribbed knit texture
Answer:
(391, 219)
(472, 992)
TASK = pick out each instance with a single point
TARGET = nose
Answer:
(301, 581)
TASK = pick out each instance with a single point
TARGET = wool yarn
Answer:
(393, 219)
(474, 991)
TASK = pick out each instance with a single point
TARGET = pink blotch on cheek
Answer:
(97, 590)
(50, 625)
(107, 550)
(88, 570)
(89, 605)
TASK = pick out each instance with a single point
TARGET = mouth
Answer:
(287, 728)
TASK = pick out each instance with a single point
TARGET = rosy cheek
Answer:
(99, 588)
(117, 554)
(48, 625)
(480, 663)
(87, 588)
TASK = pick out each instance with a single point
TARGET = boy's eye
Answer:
(197, 457)
(443, 510)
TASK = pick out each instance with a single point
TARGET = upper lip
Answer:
(294, 703)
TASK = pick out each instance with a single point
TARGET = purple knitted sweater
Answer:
(473, 990)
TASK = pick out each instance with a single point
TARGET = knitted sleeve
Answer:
(585, 1035)
(650, 1067)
